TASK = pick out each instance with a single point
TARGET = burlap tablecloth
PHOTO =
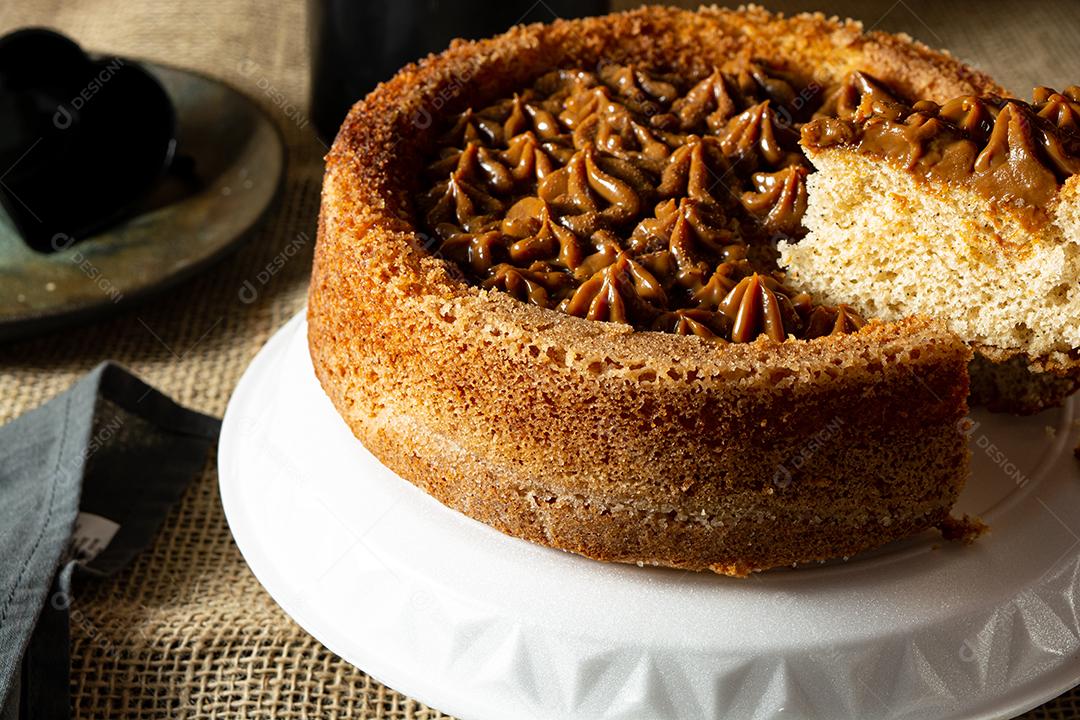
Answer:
(187, 632)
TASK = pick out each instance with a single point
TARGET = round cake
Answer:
(545, 291)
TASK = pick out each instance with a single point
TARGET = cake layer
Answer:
(1015, 386)
(893, 245)
(812, 513)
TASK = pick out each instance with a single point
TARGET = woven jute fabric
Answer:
(186, 631)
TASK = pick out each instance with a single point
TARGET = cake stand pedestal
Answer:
(488, 627)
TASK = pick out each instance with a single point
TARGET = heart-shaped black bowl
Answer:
(82, 139)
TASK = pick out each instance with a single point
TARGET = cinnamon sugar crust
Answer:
(593, 437)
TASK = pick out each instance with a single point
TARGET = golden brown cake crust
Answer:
(594, 438)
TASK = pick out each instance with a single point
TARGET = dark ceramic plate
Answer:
(230, 160)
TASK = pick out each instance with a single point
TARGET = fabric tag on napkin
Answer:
(85, 481)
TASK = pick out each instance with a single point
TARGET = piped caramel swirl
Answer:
(623, 195)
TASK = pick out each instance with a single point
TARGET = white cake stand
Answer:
(487, 627)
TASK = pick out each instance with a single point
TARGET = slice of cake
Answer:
(967, 211)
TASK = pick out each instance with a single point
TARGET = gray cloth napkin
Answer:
(85, 481)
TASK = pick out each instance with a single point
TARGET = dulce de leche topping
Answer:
(628, 196)
(1007, 150)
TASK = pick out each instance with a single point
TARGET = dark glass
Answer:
(356, 44)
